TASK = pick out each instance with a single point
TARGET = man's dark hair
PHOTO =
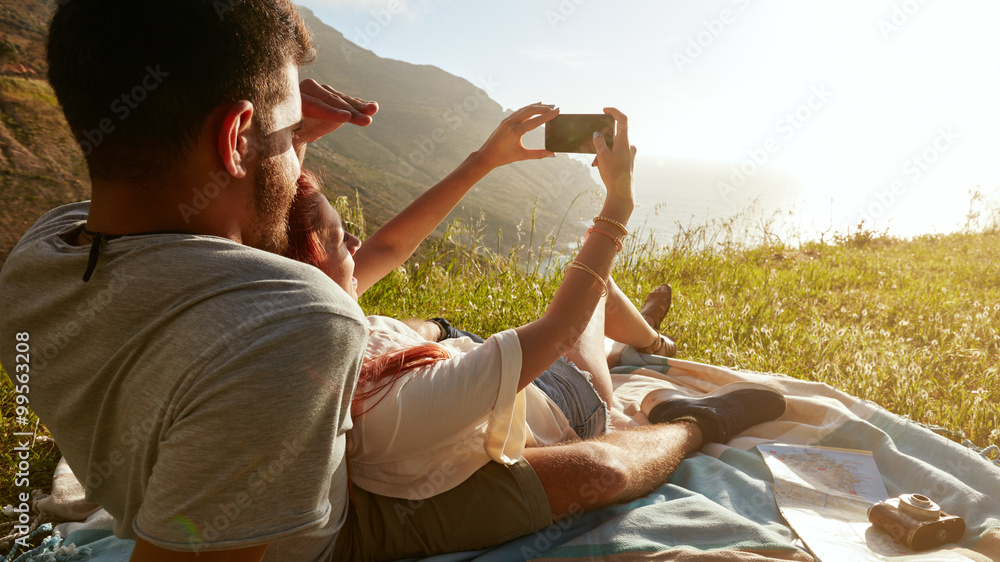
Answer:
(137, 78)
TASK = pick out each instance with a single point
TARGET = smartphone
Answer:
(575, 133)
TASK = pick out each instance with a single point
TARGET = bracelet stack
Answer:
(615, 239)
(583, 267)
(614, 222)
(618, 245)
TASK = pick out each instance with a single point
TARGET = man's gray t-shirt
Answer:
(200, 389)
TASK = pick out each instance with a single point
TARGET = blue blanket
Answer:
(719, 504)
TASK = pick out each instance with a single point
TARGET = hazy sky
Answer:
(891, 108)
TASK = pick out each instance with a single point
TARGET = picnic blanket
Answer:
(719, 504)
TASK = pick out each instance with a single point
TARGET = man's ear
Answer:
(234, 141)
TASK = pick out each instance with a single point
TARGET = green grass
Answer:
(44, 454)
(908, 324)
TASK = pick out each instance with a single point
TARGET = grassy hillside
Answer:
(40, 166)
(428, 122)
(907, 324)
(23, 28)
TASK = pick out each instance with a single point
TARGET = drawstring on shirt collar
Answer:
(98, 240)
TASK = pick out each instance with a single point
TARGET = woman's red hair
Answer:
(306, 245)
(379, 373)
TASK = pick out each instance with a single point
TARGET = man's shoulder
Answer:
(254, 278)
(54, 221)
(171, 282)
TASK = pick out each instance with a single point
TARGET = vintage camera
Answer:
(916, 521)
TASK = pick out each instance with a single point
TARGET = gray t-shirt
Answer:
(199, 389)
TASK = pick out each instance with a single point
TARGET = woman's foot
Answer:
(653, 310)
(663, 346)
(656, 306)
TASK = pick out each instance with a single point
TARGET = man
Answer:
(198, 384)
(194, 381)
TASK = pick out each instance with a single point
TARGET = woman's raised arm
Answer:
(546, 339)
(396, 241)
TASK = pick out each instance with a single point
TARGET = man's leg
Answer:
(384, 528)
(614, 468)
(629, 463)
(550, 482)
(522, 498)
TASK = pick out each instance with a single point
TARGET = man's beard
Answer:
(270, 203)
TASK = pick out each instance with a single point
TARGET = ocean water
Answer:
(699, 203)
(676, 197)
(704, 201)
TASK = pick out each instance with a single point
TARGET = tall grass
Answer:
(908, 324)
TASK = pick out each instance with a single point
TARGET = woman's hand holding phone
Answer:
(504, 146)
(616, 165)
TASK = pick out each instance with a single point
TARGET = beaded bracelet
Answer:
(583, 267)
(615, 239)
(612, 221)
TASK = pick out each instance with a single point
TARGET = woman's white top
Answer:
(437, 425)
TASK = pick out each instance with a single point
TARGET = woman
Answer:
(428, 415)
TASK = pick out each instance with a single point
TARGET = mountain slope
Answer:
(40, 164)
(429, 121)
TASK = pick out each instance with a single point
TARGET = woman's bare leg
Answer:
(623, 322)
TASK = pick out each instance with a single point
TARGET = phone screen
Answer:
(575, 133)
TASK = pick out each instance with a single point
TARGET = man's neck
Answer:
(182, 206)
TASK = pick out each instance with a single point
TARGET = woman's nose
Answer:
(353, 243)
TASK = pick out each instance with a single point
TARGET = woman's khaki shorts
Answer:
(496, 504)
